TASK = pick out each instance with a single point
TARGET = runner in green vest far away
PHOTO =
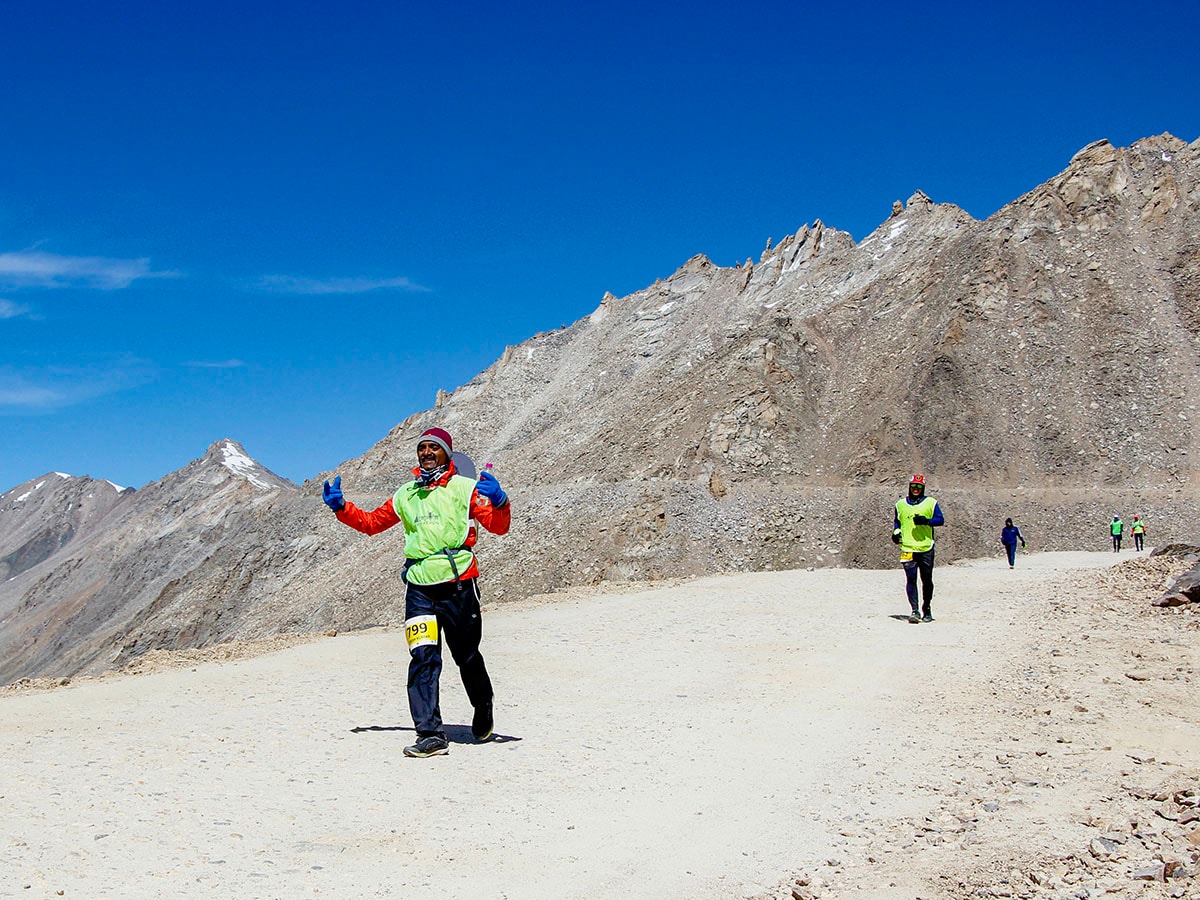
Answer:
(441, 595)
(1139, 533)
(912, 529)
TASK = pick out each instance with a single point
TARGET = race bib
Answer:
(905, 557)
(420, 630)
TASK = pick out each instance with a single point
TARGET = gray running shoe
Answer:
(913, 618)
(430, 745)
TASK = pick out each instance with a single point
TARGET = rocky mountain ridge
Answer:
(73, 608)
(44, 515)
(1041, 364)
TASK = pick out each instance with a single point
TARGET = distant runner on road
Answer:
(1009, 535)
(912, 529)
(1117, 527)
(1138, 527)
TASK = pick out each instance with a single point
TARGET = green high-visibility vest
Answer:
(1117, 526)
(915, 538)
(436, 522)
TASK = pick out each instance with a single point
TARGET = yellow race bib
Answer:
(905, 557)
(420, 630)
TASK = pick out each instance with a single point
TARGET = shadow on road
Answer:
(455, 734)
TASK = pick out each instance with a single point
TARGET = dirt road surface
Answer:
(774, 735)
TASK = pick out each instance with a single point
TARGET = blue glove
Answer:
(489, 487)
(332, 494)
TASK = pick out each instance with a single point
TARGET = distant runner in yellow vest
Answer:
(441, 598)
(1138, 527)
(912, 530)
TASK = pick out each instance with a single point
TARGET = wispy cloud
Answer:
(11, 310)
(17, 393)
(292, 284)
(38, 269)
(217, 364)
(52, 388)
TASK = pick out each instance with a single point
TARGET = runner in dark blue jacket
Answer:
(1009, 537)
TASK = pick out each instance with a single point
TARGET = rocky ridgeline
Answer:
(40, 517)
(1040, 364)
(196, 549)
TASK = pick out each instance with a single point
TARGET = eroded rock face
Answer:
(1041, 364)
(41, 517)
(170, 565)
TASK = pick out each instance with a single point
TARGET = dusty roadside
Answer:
(1075, 775)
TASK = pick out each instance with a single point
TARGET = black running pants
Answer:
(455, 608)
(921, 564)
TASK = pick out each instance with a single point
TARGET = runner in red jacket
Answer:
(438, 510)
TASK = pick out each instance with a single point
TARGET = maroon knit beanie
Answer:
(439, 437)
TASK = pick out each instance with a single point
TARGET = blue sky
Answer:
(291, 224)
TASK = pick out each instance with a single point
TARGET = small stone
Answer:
(1169, 810)
(1173, 868)
(1155, 872)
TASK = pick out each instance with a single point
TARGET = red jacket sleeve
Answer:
(380, 519)
(495, 519)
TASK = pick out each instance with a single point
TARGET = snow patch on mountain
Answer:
(237, 462)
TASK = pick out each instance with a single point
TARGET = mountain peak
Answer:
(232, 456)
(32, 488)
